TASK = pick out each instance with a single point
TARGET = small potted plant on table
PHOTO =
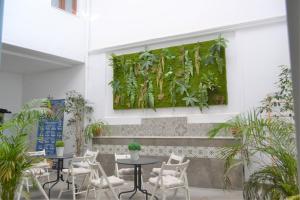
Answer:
(59, 147)
(134, 149)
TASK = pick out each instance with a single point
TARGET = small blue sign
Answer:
(51, 129)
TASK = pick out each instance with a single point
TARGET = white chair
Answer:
(30, 173)
(75, 173)
(103, 183)
(168, 182)
(173, 159)
(91, 155)
(39, 169)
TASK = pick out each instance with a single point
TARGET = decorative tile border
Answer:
(149, 150)
(172, 126)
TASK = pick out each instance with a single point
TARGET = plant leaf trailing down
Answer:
(131, 87)
(215, 53)
(188, 67)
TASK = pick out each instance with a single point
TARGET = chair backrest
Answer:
(37, 153)
(96, 167)
(92, 154)
(75, 160)
(181, 168)
(175, 159)
(118, 157)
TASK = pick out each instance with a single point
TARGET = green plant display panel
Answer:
(171, 77)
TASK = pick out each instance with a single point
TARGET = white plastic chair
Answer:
(168, 182)
(39, 169)
(103, 183)
(173, 159)
(75, 173)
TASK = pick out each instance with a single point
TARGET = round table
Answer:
(59, 168)
(137, 164)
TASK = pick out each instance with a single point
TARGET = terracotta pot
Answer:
(235, 131)
(97, 132)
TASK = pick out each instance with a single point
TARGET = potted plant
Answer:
(59, 147)
(94, 129)
(14, 160)
(134, 149)
(79, 110)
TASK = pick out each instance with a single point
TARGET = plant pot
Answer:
(60, 151)
(134, 155)
(97, 132)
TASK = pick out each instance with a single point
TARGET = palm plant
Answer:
(13, 146)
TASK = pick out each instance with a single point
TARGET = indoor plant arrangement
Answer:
(269, 133)
(134, 149)
(79, 109)
(94, 129)
(60, 145)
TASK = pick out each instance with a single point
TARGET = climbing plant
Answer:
(179, 76)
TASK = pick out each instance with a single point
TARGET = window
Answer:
(69, 6)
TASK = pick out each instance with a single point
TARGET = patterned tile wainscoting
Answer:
(205, 170)
(173, 126)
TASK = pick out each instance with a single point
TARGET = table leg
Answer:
(135, 184)
(58, 176)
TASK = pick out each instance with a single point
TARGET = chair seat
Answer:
(168, 181)
(127, 171)
(114, 181)
(77, 171)
(35, 172)
(81, 164)
(156, 171)
(41, 165)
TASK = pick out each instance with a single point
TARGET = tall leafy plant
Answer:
(79, 109)
(13, 145)
(271, 137)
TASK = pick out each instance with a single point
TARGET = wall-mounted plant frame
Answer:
(178, 76)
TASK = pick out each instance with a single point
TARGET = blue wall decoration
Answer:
(51, 129)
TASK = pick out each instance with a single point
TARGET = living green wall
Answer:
(201, 55)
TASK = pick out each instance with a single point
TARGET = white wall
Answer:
(252, 57)
(54, 83)
(10, 91)
(116, 22)
(35, 25)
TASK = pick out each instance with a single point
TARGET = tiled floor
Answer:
(196, 194)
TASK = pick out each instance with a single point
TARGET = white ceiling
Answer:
(25, 61)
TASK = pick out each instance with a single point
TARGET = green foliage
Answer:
(280, 103)
(190, 100)
(13, 146)
(165, 77)
(134, 146)
(59, 143)
(274, 138)
(94, 129)
(202, 96)
(79, 109)
(214, 56)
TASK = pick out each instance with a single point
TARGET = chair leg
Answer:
(73, 188)
(175, 193)
(187, 194)
(40, 187)
(27, 183)
(154, 192)
(164, 195)
(20, 189)
(87, 193)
